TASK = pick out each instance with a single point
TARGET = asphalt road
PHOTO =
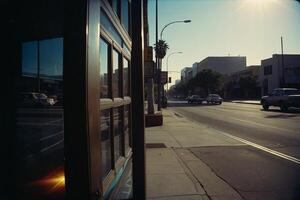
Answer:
(254, 170)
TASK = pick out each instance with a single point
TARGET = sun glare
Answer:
(258, 7)
(260, 3)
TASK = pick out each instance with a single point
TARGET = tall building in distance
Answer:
(221, 64)
(186, 74)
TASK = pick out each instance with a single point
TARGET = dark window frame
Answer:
(121, 101)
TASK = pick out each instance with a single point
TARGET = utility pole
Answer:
(158, 67)
(282, 64)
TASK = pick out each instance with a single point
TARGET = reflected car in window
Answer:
(35, 99)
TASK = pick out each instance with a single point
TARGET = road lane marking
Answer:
(265, 149)
(246, 121)
(276, 153)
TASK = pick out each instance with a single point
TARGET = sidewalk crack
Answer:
(235, 189)
(189, 173)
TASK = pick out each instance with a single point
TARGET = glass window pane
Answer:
(105, 142)
(30, 58)
(125, 14)
(109, 27)
(51, 58)
(116, 79)
(126, 126)
(115, 6)
(103, 69)
(125, 77)
(118, 131)
(40, 126)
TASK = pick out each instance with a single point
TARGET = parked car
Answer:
(195, 99)
(282, 97)
(214, 99)
(35, 99)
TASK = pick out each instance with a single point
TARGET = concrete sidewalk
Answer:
(173, 171)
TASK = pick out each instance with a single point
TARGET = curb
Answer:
(245, 102)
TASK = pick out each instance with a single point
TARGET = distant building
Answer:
(273, 76)
(233, 89)
(186, 73)
(223, 65)
(194, 70)
(252, 70)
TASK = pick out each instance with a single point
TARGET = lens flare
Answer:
(54, 182)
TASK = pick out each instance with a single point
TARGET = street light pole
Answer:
(179, 52)
(182, 21)
(159, 61)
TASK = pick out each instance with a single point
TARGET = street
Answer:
(267, 163)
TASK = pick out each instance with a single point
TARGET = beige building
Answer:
(221, 64)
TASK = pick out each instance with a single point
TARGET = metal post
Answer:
(137, 96)
(282, 64)
(158, 66)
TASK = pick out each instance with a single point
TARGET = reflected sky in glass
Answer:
(30, 58)
(51, 57)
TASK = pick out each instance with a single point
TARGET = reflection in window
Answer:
(126, 127)
(30, 58)
(125, 14)
(115, 6)
(51, 58)
(103, 69)
(39, 121)
(125, 77)
(105, 142)
(116, 59)
(118, 131)
(108, 25)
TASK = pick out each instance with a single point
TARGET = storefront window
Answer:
(51, 58)
(39, 121)
(125, 14)
(109, 27)
(125, 77)
(126, 126)
(116, 75)
(118, 132)
(30, 58)
(115, 6)
(103, 69)
(105, 142)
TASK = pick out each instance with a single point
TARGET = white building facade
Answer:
(273, 76)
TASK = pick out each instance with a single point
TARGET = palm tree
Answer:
(161, 49)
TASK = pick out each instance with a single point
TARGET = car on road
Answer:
(214, 99)
(282, 97)
(195, 99)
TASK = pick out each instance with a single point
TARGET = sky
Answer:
(250, 28)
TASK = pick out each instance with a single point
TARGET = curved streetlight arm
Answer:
(169, 56)
(179, 52)
(182, 21)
